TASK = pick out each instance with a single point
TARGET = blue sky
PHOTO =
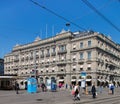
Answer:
(21, 21)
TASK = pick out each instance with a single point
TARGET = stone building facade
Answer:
(1, 66)
(68, 57)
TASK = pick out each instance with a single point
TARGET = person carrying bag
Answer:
(76, 90)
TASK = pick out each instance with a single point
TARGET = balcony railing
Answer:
(62, 51)
(62, 62)
(81, 61)
(53, 53)
(59, 73)
(16, 60)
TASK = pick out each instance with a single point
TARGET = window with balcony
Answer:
(42, 53)
(62, 48)
(81, 45)
(37, 52)
(81, 56)
(48, 53)
(89, 67)
(89, 55)
(89, 43)
(53, 51)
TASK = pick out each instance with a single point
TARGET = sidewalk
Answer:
(59, 97)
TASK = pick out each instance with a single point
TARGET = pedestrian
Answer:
(100, 88)
(109, 89)
(112, 88)
(93, 90)
(86, 89)
(43, 86)
(70, 86)
(76, 90)
(16, 87)
(66, 86)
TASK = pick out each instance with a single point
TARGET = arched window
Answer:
(89, 77)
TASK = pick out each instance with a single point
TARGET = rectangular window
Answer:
(42, 52)
(62, 48)
(81, 45)
(81, 56)
(48, 51)
(89, 55)
(54, 50)
(89, 43)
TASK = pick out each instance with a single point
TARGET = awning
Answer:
(7, 76)
(107, 80)
(88, 80)
(61, 80)
(103, 80)
(80, 79)
(99, 80)
(25, 80)
(73, 80)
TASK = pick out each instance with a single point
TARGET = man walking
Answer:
(93, 90)
(16, 87)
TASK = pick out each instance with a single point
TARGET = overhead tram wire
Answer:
(56, 14)
(100, 14)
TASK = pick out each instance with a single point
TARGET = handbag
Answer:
(73, 92)
(96, 94)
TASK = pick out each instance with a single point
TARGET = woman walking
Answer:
(76, 90)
